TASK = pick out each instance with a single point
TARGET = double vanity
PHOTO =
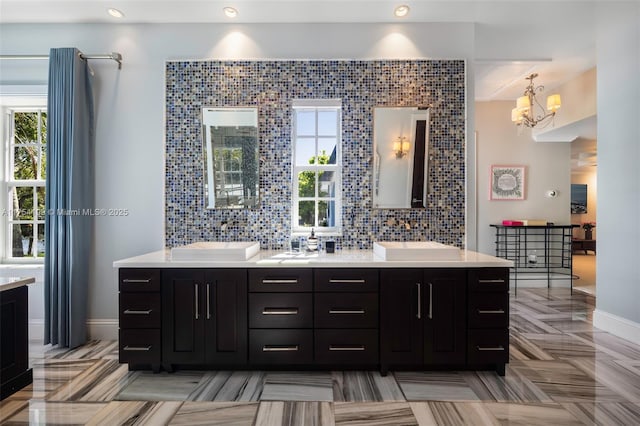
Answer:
(231, 305)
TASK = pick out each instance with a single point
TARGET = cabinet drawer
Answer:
(346, 347)
(140, 346)
(280, 280)
(280, 310)
(139, 280)
(140, 310)
(489, 279)
(280, 346)
(352, 280)
(488, 310)
(488, 346)
(346, 310)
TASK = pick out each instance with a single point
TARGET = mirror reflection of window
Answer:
(231, 157)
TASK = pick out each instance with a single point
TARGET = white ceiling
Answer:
(513, 37)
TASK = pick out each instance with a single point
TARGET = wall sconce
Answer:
(401, 147)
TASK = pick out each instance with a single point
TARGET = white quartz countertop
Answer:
(7, 283)
(339, 259)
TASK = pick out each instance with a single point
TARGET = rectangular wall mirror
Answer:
(230, 145)
(400, 157)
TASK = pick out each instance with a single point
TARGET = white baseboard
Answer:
(616, 325)
(98, 329)
(102, 329)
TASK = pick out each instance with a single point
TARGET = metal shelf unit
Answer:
(537, 251)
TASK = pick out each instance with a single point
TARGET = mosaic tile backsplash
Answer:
(271, 86)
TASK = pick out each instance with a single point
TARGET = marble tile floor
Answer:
(561, 371)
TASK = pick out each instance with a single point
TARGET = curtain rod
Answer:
(115, 56)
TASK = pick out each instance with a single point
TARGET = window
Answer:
(317, 180)
(25, 174)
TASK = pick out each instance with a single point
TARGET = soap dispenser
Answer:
(312, 242)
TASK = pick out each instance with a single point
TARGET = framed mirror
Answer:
(230, 145)
(400, 157)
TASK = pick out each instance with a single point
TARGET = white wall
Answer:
(618, 269)
(130, 105)
(548, 167)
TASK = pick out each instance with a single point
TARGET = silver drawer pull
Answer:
(495, 311)
(490, 348)
(268, 281)
(136, 281)
(346, 348)
(280, 311)
(136, 312)
(137, 348)
(268, 348)
(497, 281)
(346, 311)
(337, 281)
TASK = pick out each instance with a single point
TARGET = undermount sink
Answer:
(216, 250)
(415, 250)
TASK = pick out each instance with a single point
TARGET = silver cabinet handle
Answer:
(419, 315)
(268, 348)
(280, 311)
(490, 348)
(197, 307)
(346, 348)
(497, 281)
(137, 312)
(138, 281)
(269, 281)
(337, 281)
(430, 301)
(208, 302)
(137, 348)
(494, 311)
(346, 311)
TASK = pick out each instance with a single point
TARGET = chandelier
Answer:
(529, 111)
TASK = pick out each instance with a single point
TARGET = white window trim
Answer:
(296, 230)
(15, 98)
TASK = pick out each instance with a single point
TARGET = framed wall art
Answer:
(507, 182)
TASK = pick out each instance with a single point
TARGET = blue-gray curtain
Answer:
(69, 196)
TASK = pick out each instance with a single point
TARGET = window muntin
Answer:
(25, 183)
(317, 189)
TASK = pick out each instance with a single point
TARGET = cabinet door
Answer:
(182, 313)
(444, 313)
(401, 312)
(225, 316)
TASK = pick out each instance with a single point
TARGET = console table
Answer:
(537, 251)
(14, 335)
(578, 244)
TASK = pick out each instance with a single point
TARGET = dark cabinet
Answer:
(14, 350)
(444, 309)
(139, 316)
(205, 317)
(422, 317)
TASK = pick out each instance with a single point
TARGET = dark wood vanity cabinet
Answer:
(391, 318)
(140, 316)
(205, 317)
(14, 338)
(346, 317)
(444, 317)
(488, 312)
(280, 316)
(423, 317)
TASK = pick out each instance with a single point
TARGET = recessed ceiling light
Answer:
(230, 12)
(401, 11)
(115, 13)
